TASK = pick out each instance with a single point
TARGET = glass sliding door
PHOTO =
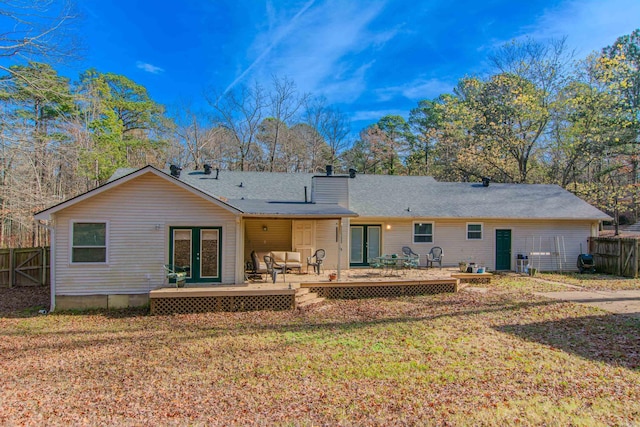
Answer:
(357, 245)
(366, 243)
(373, 242)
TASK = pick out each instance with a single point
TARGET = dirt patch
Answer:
(24, 300)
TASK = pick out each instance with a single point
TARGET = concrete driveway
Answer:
(618, 302)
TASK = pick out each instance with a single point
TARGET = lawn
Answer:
(502, 357)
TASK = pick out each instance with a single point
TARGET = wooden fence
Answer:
(616, 256)
(24, 267)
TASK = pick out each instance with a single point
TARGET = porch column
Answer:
(239, 273)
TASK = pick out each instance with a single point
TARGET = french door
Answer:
(199, 249)
(365, 244)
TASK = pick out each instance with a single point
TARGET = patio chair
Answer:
(413, 260)
(177, 273)
(316, 260)
(435, 255)
(376, 262)
(273, 269)
(257, 268)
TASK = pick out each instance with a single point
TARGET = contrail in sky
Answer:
(281, 33)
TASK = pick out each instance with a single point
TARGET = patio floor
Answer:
(359, 275)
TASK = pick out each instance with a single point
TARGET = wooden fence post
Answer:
(619, 272)
(636, 255)
(11, 267)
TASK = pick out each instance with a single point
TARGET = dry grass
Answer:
(600, 282)
(504, 357)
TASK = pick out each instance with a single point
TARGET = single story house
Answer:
(110, 243)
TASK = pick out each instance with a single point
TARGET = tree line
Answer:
(539, 117)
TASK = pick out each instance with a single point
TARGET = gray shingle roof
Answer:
(391, 197)
(266, 207)
(470, 200)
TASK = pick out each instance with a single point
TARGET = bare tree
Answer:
(240, 112)
(284, 104)
(335, 127)
(332, 126)
(195, 136)
(37, 29)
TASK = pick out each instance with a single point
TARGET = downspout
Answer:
(339, 246)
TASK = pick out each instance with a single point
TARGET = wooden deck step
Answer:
(305, 298)
(310, 302)
(301, 291)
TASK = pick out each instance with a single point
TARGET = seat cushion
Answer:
(294, 257)
(279, 257)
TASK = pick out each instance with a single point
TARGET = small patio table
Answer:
(391, 263)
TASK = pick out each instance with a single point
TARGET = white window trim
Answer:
(433, 233)
(466, 231)
(95, 221)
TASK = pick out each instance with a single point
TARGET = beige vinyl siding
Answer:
(330, 189)
(136, 249)
(326, 239)
(451, 236)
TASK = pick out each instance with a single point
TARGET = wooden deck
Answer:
(286, 296)
(473, 277)
(221, 298)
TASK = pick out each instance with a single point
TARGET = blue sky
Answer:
(369, 58)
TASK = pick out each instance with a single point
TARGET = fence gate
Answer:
(24, 267)
(616, 256)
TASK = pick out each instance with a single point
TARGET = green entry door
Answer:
(365, 244)
(199, 249)
(503, 249)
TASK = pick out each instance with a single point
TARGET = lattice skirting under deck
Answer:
(346, 292)
(165, 306)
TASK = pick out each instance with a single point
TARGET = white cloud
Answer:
(315, 45)
(417, 89)
(589, 24)
(375, 115)
(149, 68)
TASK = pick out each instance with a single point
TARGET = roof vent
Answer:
(207, 169)
(175, 170)
(485, 181)
(352, 173)
(329, 170)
